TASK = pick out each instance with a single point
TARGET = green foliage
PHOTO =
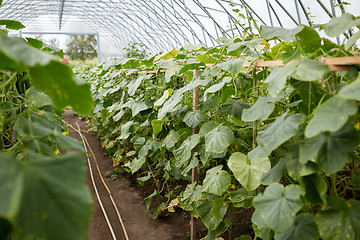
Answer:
(42, 195)
(279, 140)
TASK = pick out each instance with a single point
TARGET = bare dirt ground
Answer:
(129, 200)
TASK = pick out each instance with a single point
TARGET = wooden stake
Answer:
(195, 131)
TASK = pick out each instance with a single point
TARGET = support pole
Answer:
(195, 131)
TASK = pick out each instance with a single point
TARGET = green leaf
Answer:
(208, 127)
(157, 126)
(171, 139)
(133, 85)
(339, 25)
(261, 110)
(66, 142)
(169, 105)
(192, 119)
(191, 66)
(278, 77)
(11, 24)
(36, 196)
(309, 40)
(28, 128)
(163, 98)
(330, 116)
(310, 70)
(336, 151)
(248, 171)
(235, 107)
(191, 195)
(22, 53)
(216, 87)
(352, 40)
(135, 164)
(172, 54)
(284, 128)
(218, 140)
(56, 80)
(304, 227)
(233, 66)
(183, 153)
(209, 220)
(217, 207)
(35, 43)
(309, 149)
(38, 99)
(172, 71)
(241, 198)
(274, 175)
(216, 181)
(351, 91)
(278, 206)
(139, 107)
(341, 221)
(315, 188)
(280, 33)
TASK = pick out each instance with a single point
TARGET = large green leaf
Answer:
(235, 107)
(183, 153)
(216, 181)
(218, 140)
(135, 164)
(284, 128)
(340, 221)
(21, 52)
(46, 198)
(315, 188)
(211, 222)
(192, 119)
(208, 127)
(242, 198)
(191, 195)
(336, 151)
(261, 110)
(133, 85)
(248, 171)
(48, 75)
(351, 91)
(38, 99)
(278, 206)
(11, 24)
(309, 40)
(277, 79)
(274, 175)
(56, 80)
(27, 128)
(171, 54)
(352, 40)
(171, 139)
(216, 87)
(140, 106)
(304, 227)
(169, 105)
(172, 71)
(330, 116)
(233, 66)
(280, 33)
(309, 149)
(339, 25)
(310, 70)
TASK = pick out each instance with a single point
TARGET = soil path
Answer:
(129, 200)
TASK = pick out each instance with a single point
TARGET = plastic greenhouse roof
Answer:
(164, 24)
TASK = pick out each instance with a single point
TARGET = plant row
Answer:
(282, 141)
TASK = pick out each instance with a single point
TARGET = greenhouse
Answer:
(179, 119)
